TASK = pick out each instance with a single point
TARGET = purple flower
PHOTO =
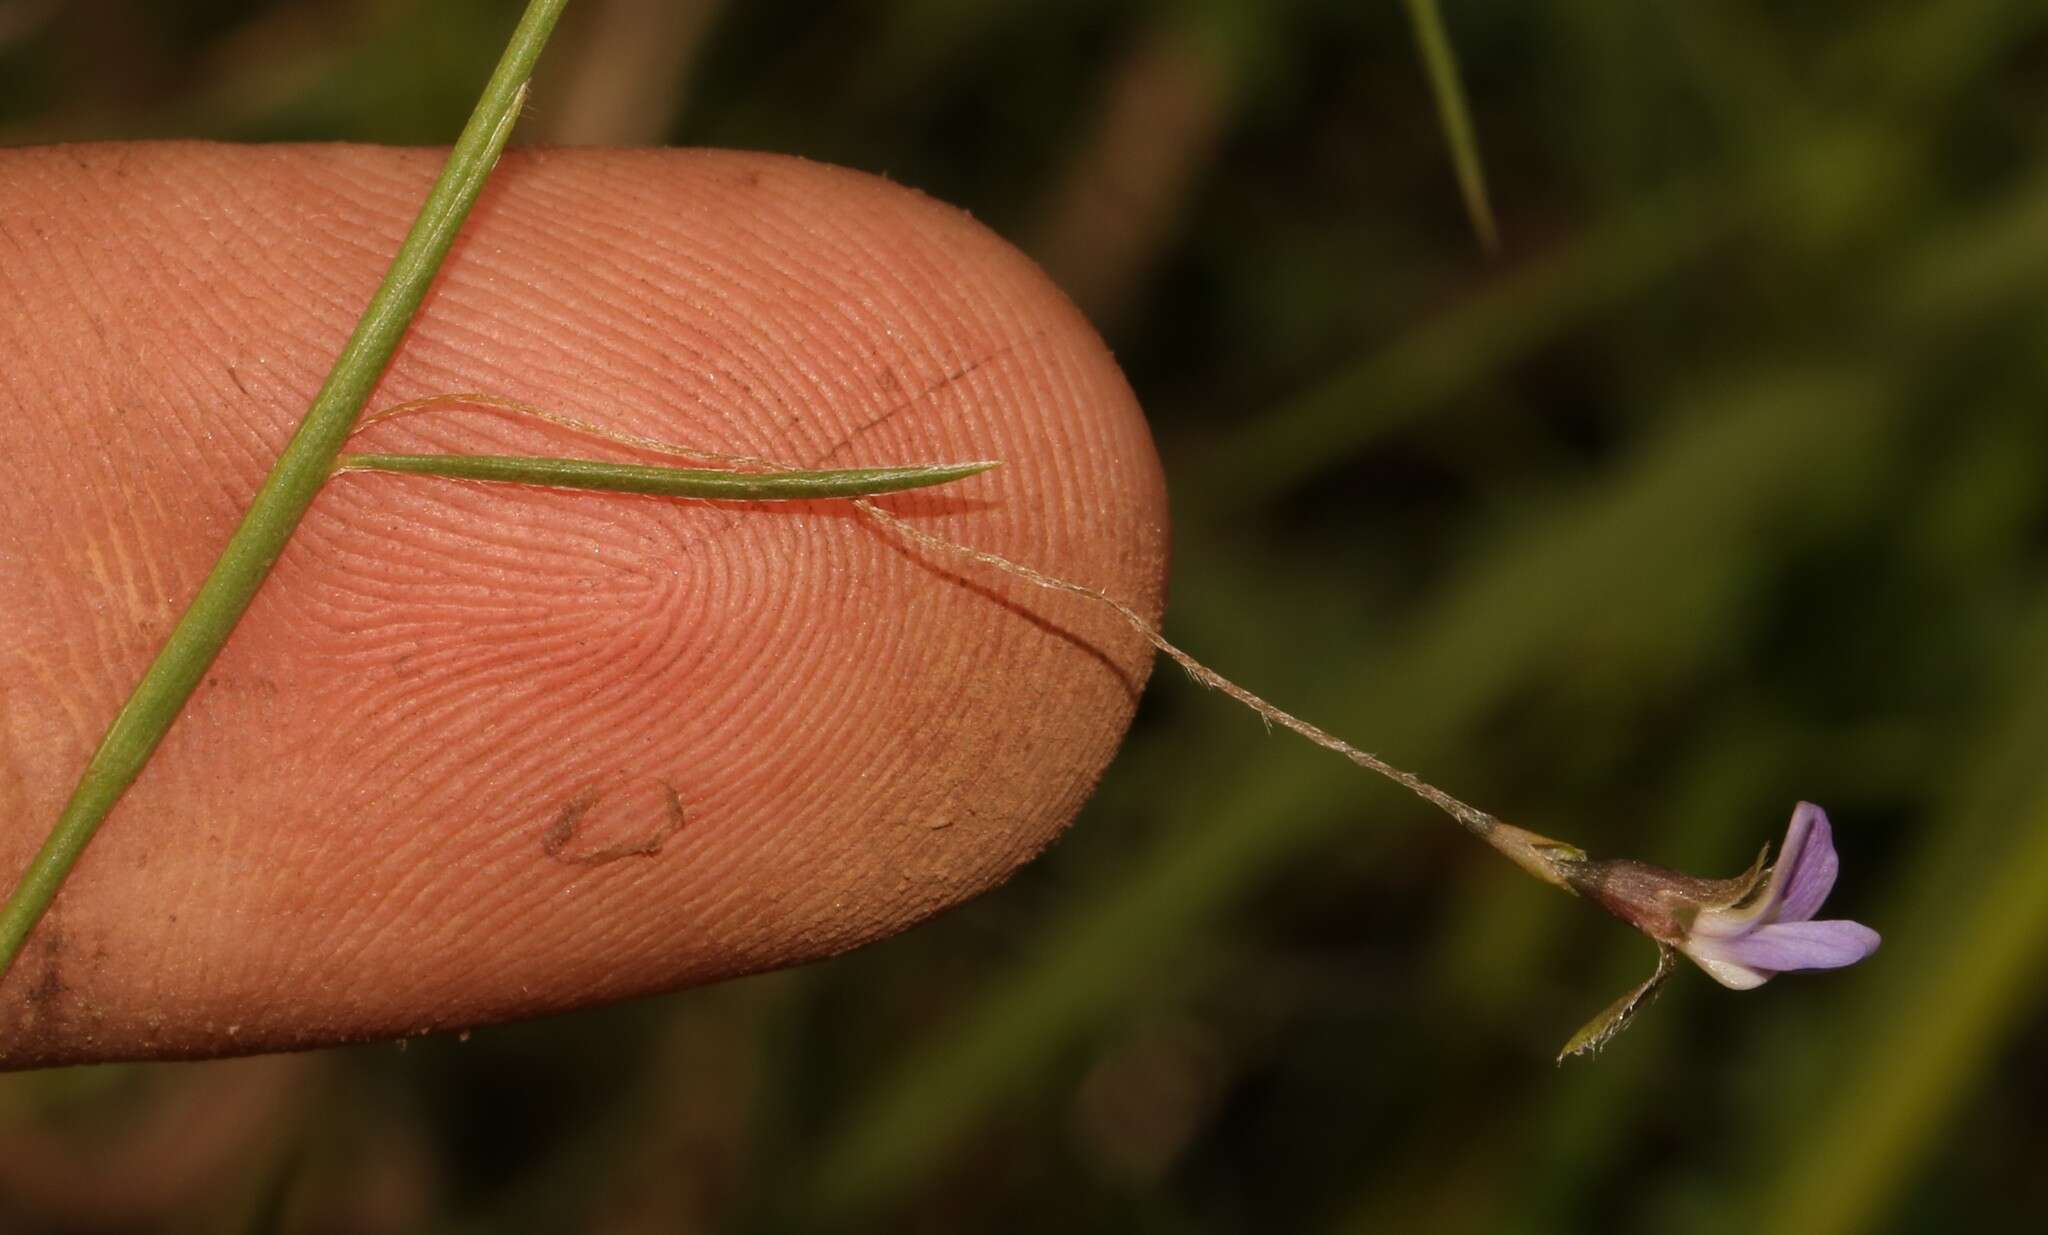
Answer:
(1771, 928)
(1742, 931)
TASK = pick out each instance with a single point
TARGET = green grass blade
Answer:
(711, 483)
(307, 461)
(1441, 63)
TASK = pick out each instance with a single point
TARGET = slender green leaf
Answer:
(715, 483)
(301, 469)
(1441, 63)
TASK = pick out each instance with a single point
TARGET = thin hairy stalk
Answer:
(307, 461)
(1540, 856)
(704, 483)
(1549, 860)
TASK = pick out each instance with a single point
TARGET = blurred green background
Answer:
(1721, 482)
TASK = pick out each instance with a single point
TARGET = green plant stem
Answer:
(1441, 63)
(668, 481)
(304, 466)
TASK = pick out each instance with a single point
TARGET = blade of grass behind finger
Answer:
(1440, 62)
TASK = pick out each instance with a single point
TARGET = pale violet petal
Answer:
(1799, 881)
(1724, 923)
(1712, 957)
(1808, 865)
(1800, 945)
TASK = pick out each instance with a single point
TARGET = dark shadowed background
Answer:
(1722, 483)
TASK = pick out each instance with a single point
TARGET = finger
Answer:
(481, 752)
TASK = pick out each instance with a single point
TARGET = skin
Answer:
(480, 753)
